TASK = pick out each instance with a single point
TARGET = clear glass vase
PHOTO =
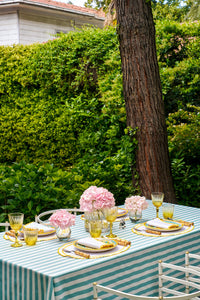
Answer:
(135, 216)
(94, 216)
(63, 234)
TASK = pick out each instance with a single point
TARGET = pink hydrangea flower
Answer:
(96, 198)
(136, 203)
(62, 218)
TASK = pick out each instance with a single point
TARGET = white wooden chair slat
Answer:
(170, 291)
(119, 293)
(49, 212)
(177, 294)
(194, 279)
(191, 265)
(192, 255)
(6, 225)
(181, 281)
(193, 270)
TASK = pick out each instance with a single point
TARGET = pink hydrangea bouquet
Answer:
(136, 203)
(62, 218)
(96, 198)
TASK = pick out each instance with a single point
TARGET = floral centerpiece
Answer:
(135, 205)
(93, 201)
(62, 220)
(96, 198)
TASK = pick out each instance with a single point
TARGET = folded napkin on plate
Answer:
(161, 224)
(40, 227)
(92, 243)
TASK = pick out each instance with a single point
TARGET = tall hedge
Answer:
(62, 101)
(178, 47)
(50, 95)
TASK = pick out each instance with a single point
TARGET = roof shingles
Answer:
(98, 13)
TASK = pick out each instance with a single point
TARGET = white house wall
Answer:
(39, 28)
(35, 28)
(28, 22)
(9, 33)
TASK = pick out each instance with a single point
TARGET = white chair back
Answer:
(193, 265)
(49, 212)
(5, 225)
(179, 276)
(173, 293)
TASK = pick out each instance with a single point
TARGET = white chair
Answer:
(175, 294)
(50, 212)
(179, 275)
(192, 264)
(6, 225)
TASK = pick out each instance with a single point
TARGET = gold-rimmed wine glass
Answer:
(157, 200)
(111, 215)
(16, 222)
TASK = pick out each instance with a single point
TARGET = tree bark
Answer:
(143, 96)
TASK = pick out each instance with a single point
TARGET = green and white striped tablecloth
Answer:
(40, 273)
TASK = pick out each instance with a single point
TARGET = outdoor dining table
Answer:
(40, 273)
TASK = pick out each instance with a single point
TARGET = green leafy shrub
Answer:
(184, 145)
(35, 189)
(170, 10)
(176, 42)
(62, 109)
(64, 106)
(178, 49)
(183, 134)
(53, 94)
(180, 85)
(186, 182)
(50, 94)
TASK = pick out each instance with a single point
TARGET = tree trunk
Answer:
(143, 96)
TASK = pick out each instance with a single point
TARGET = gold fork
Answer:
(79, 253)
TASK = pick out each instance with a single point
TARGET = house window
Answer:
(61, 31)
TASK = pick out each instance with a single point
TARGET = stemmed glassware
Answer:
(157, 200)
(16, 222)
(111, 215)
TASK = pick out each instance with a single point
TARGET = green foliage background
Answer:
(63, 119)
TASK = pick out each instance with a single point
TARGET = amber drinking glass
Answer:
(30, 236)
(168, 210)
(95, 228)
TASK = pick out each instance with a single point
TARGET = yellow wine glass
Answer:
(157, 200)
(16, 222)
(111, 215)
